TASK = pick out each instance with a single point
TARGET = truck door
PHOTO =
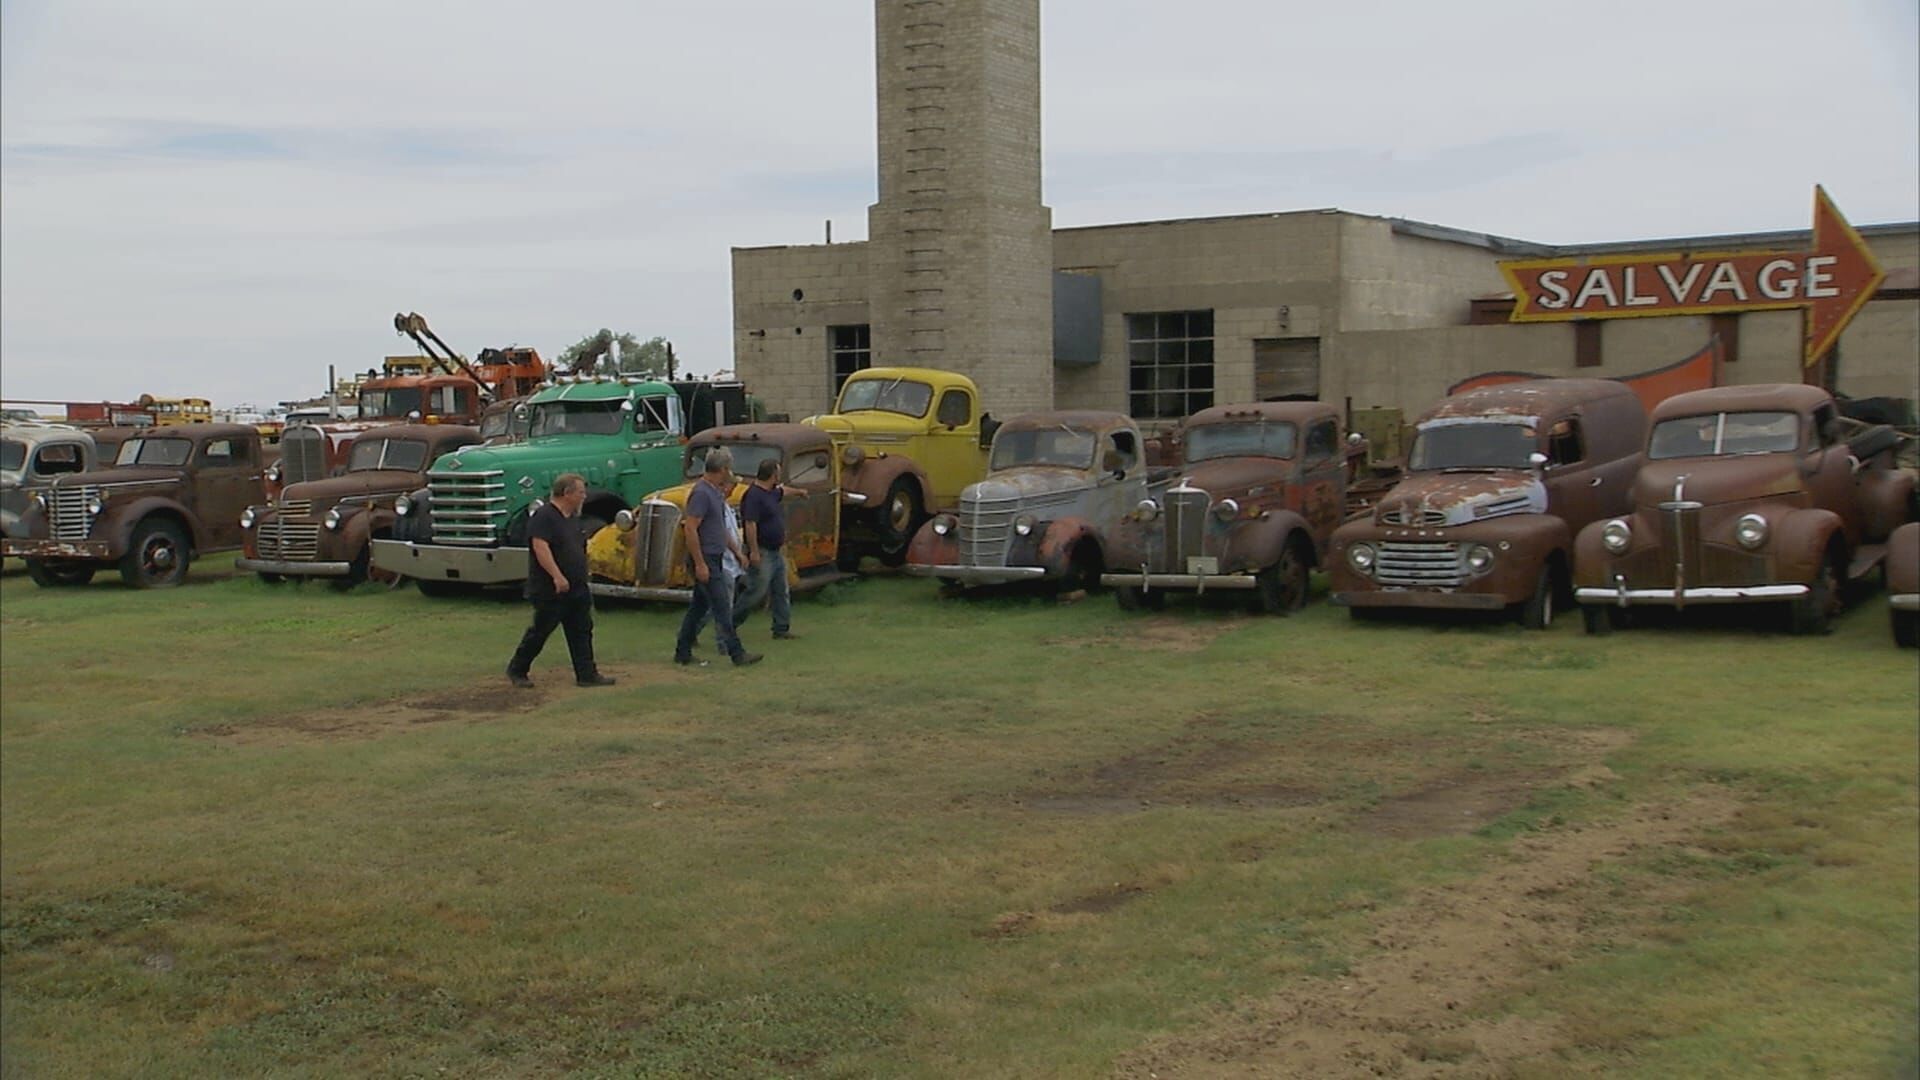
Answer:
(1322, 486)
(813, 520)
(225, 481)
(953, 456)
(1574, 486)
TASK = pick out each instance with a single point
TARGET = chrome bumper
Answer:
(978, 575)
(1904, 601)
(56, 549)
(444, 562)
(294, 569)
(1624, 597)
(641, 592)
(1196, 582)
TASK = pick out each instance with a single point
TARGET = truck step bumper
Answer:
(294, 569)
(1411, 598)
(444, 562)
(1196, 582)
(979, 575)
(56, 549)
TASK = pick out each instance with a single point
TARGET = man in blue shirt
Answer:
(708, 541)
(765, 526)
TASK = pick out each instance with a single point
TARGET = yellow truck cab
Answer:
(910, 440)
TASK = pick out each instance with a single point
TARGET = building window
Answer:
(1170, 364)
(1586, 343)
(850, 349)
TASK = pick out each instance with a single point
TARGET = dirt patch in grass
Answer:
(1459, 804)
(1193, 770)
(1160, 633)
(1407, 1007)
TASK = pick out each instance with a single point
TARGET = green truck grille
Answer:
(468, 507)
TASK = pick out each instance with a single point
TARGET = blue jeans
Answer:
(713, 596)
(769, 579)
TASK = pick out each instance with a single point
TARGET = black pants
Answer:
(572, 610)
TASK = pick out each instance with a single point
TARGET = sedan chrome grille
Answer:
(67, 512)
(1436, 565)
(986, 529)
(655, 525)
(468, 507)
(288, 533)
(1186, 521)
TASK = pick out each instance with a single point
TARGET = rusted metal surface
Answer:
(1068, 507)
(1903, 583)
(1250, 521)
(85, 550)
(1487, 536)
(1750, 493)
(42, 453)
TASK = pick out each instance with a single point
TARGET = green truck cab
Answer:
(468, 526)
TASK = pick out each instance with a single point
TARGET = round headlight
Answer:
(624, 519)
(1479, 558)
(1750, 530)
(943, 525)
(247, 518)
(273, 472)
(95, 504)
(1615, 536)
(851, 455)
(1226, 509)
(39, 502)
(1360, 557)
(1146, 510)
(332, 520)
(1024, 524)
(403, 506)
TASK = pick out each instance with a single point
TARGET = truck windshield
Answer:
(13, 455)
(1492, 445)
(1061, 446)
(393, 402)
(746, 459)
(407, 455)
(577, 418)
(1262, 438)
(154, 452)
(903, 396)
(1725, 433)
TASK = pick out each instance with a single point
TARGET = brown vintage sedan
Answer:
(1749, 494)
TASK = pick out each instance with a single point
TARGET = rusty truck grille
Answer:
(1407, 515)
(67, 512)
(289, 533)
(1186, 523)
(986, 528)
(303, 455)
(1439, 565)
(468, 507)
(655, 524)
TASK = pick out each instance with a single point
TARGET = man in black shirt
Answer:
(557, 584)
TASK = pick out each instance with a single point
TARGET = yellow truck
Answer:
(909, 442)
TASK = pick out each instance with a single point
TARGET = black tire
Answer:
(1084, 570)
(1537, 612)
(158, 555)
(1368, 614)
(1599, 619)
(1281, 589)
(897, 519)
(57, 575)
(1906, 629)
(1134, 598)
(1813, 613)
(357, 571)
(846, 560)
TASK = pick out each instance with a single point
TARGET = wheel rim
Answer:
(158, 557)
(899, 513)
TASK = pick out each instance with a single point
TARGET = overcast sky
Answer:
(222, 197)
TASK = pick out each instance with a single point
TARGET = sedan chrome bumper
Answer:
(288, 568)
(1700, 595)
(978, 575)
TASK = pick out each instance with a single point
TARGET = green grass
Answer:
(252, 829)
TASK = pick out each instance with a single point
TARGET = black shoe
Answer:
(746, 658)
(689, 661)
(785, 635)
(597, 680)
(520, 681)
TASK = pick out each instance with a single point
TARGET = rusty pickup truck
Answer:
(323, 528)
(1749, 494)
(1261, 488)
(1060, 482)
(1498, 483)
(170, 495)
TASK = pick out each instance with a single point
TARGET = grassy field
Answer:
(253, 830)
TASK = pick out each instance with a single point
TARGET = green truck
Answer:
(468, 527)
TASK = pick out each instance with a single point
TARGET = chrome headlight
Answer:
(403, 506)
(1226, 509)
(1479, 558)
(273, 472)
(95, 504)
(1146, 510)
(943, 525)
(1750, 530)
(1024, 524)
(851, 455)
(247, 518)
(624, 519)
(1360, 557)
(39, 502)
(333, 519)
(1615, 535)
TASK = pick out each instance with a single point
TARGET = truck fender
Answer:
(1886, 502)
(1058, 542)
(1801, 542)
(1257, 544)
(929, 548)
(875, 475)
(129, 515)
